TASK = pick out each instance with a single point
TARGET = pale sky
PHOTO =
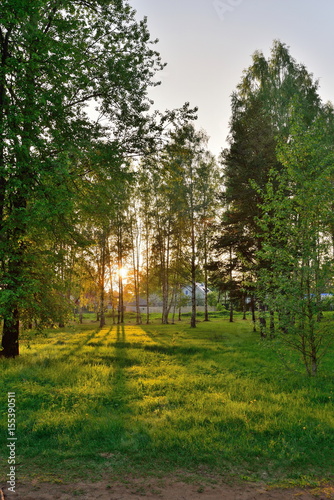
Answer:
(208, 43)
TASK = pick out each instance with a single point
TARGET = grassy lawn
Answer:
(159, 398)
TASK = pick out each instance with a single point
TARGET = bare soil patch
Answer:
(162, 489)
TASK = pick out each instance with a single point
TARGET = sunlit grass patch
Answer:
(167, 397)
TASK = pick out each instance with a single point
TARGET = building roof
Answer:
(142, 303)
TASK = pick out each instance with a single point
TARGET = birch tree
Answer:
(296, 224)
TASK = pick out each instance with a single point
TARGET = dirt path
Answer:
(162, 489)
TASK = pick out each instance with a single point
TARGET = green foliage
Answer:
(213, 299)
(56, 59)
(277, 230)
(178, 192)
(262, 115)
(296, 227)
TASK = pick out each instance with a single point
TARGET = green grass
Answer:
(161, 398)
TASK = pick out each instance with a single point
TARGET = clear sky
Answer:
(208, 43)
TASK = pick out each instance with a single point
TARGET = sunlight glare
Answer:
(123, 272)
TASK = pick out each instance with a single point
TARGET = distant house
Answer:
(155, 303)
(132, 306)
(200, 292)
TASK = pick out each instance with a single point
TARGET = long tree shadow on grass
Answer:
(81, 344)
(98, 420)
(118, 357)
(85, 339)
(96, 415)
(122, 434)
(70, 360)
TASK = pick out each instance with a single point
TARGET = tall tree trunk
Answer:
(314, 359)
(262, 319)
(112, 301)
(193, 276)
(135, 236)
(13, 271)
(4, 56)
(103, 254)
(147, 275)
(231, 308)
(253, 313)
(111, 285)
(81, 315)
(10, 335)
(13, 267)
(206, 312)
(147, 301)
(231, 287)
(120, 315)
(174, 306)
(165, 284)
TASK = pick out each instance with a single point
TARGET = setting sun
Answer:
(123, 272)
